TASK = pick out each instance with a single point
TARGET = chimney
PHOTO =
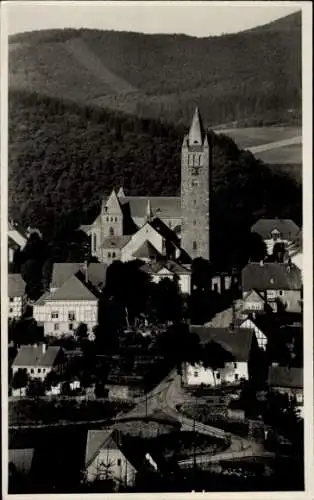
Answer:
(43, 348)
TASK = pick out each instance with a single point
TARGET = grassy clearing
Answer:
(256, 136)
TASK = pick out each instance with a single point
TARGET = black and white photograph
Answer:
(156, 207)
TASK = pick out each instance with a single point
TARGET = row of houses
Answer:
(76, 287)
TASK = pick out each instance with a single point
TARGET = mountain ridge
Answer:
(253, 76)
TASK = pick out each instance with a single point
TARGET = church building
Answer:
(176, 228)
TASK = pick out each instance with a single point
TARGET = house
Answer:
(276, 231)
(287, 380)
(17, 296)
(38, 361)
(170, 269)
(93, 272)
(105, 460)
(60, 312)
(277, 283)
(251, 324)
(254, 303)
(17, 239)
(236, 341)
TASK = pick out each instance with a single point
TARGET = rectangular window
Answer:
(11, 299)
(70, 326)
(56, 327)
(38, 370)
(235, 365)
(194, 183)
(218, 376)
(71, 316)
(119, 462)
(195, 374)
(236, 376)
(32, 370)
(11, 309)
(54, 315)
(194, 245)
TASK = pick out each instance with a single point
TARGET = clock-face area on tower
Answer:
(195, 191)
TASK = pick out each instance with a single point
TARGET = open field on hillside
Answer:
(249, 137)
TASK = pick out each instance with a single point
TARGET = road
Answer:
(166, 396)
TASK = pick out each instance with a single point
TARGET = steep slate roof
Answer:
(62, 271)
(112, 242)
(169, 206)
(146, 251)
(288, 229)
(72, 289)
(16, 285)
(223, 319)
(99, 439)
(34, 356)
(237, 341)
(173, 267)
(282, 376)
(271, 276)
(196, 132)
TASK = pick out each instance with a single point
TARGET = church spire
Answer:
(196, 132)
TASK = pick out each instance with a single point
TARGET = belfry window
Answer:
(194, 245)
(94, 242)
(111, 231)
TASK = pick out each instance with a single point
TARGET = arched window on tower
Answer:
(111, 231)
(194, 245)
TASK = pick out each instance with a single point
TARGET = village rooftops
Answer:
(286, 227)
(237, 341)
(62, 271)
(170, 265)
(282, 376)
(72, 289)
(32, 356)
(271, 276)
(16, 286)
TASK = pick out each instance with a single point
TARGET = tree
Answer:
(257, 248)
(35, 388)
(214, 356)
(81, 332)
(166, 300)
(52, 379)
(20, 379)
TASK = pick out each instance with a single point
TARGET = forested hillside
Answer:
(63, 158)
(252, 77)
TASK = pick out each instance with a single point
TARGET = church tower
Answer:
(195, 190)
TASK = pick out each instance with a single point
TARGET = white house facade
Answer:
(231, 373)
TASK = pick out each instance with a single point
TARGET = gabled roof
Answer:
(282, 376)
(146, 251)
(170, 265)
(35, 356)
(62, 271)
(16, 285)
(253, 294)
(112, 242)
(161, 206)
(271, 276)
(238, 340)
(288, 229)
(196, 132)
(97, 440)
(223, 319)
(72, 289)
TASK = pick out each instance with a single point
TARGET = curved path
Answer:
(165, 397)
(275, 145)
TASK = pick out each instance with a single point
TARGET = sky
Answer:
(192, 18)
